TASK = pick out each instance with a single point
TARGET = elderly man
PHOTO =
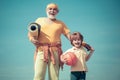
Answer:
(48, 44)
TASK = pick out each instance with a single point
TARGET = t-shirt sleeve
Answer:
(85, 52)
(65, 29)
(69, 50)
(37, 20)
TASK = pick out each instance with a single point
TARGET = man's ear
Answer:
(57, 11)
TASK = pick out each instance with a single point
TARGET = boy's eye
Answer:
(75, 40)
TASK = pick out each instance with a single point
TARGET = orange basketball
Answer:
(71, 58)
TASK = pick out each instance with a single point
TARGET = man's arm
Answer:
(68, 36)
(33, 40)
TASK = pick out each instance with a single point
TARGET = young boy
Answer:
(78, 71)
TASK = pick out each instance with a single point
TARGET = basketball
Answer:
(71, 58)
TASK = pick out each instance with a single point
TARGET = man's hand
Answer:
(35, 42)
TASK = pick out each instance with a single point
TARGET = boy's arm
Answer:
(87, 46)
(63, 59)
(90, 54)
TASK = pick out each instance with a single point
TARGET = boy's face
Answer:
(77, 43)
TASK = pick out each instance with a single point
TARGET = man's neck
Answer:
(52, 19)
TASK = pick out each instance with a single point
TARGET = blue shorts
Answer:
(78, 75)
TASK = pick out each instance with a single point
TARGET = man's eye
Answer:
(50, 8)
(54, 9)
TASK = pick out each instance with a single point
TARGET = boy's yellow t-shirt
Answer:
(81, 55)
(51, 30)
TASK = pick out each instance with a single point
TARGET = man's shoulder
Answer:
(61, 22)
(41, 18)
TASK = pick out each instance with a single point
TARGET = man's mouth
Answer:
(52, 14)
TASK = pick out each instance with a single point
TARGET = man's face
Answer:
(52, 12)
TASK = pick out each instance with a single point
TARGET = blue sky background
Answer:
(97, 20)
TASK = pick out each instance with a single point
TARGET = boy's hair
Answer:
(76, 35)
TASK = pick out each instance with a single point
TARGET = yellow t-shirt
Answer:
(81, 55)
(51, 30)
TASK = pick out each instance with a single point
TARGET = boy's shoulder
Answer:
(74, 49)
(69, 50)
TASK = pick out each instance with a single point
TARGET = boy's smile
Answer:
(77, 43)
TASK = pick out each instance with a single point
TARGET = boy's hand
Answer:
(91, 50)
(64, 60)
(87, 46)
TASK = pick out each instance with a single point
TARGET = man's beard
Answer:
(51, 16)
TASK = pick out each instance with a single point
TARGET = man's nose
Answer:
(52, 10)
